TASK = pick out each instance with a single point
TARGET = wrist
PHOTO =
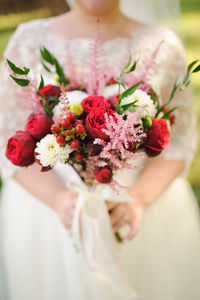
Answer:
(58, 199)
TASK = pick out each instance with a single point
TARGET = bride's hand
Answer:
(65, 204)
(126, 213)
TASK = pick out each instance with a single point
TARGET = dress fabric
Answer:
(38, 258)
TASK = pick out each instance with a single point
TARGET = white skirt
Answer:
(39, 260)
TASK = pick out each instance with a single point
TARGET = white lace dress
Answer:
(38, 257)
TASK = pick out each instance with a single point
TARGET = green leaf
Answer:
(127, 106)
(41, 83)
(174, 90)
(118, 108)
(197, 69)
(21, 82)
(48, 111)
(17, 70)
(131, 90)
(120, 80)
(166, 116)
(189, 68)
(133, 67)
(128, 63)
(46, 68)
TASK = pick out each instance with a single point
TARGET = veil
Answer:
(151, 11)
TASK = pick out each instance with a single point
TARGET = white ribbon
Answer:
(92, 233)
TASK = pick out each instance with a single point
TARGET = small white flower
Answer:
(50, 152)
(143, 99)
(73, 97)
(112, 90)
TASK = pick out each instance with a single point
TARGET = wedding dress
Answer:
(39, 259)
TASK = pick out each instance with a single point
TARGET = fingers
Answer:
(111, 205)
(117, 214)
(131, 234)
(116, 227)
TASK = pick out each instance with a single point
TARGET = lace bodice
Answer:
(23, 49)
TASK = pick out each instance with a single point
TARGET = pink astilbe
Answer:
(35, 103)
(122, 131)
(121, 134)
(96, 79)
(64, 104)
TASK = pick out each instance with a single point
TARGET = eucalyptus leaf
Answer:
(20, 81)
(17, 70)
(197, 69)
(41, 82)
(46, 68)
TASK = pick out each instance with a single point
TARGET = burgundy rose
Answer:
(103, 175)
(50, 91)
(94, 102)
(158, 137)
(20, 149)
(39, 125)
(95, 122)
(93, 149)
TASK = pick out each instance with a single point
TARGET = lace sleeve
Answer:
(171, 64)
(12, 116)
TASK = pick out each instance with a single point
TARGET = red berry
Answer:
(68, 132)
(79, 122)
(55, 129)
(65, 123)
(78, 156)
(75, 144)
(80, 129)
(60, 139)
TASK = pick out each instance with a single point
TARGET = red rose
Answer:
(158, 136)
(20, 149)
(39, 125)
(50, 91)
(113, 101)
(93, 102)
(95, 122)
(103, 175)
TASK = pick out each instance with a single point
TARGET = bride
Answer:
(159, 258)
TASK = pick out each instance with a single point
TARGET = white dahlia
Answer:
(49, 152)
(73, 97)
(143, 100)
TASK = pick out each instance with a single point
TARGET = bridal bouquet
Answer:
(98, 126)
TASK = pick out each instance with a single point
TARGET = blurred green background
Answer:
(13, 12)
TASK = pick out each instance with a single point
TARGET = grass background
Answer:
(189, 27)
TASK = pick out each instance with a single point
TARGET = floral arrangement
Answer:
(97, 126)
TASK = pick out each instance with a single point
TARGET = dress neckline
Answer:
(133, 36)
